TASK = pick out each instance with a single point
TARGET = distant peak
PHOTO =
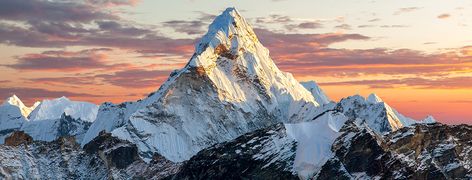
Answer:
(231, 11)
(14, 100)
(63, 98)
(316, 91)
(429, 119)
(373, 98)
(310, 84)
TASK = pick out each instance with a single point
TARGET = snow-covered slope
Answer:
(11, 118)
(53, 109)
(50, 120)
(229, 87)
(316, 91)
(314, 141)
(111, 116)
(51, 129)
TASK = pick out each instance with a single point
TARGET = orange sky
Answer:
(415, 59)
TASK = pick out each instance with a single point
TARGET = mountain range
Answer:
(229, 113)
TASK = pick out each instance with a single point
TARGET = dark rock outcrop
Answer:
(115, 152)
(427, 151)
(18, 138)
(251, 156)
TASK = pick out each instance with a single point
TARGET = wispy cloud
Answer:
(406, 10)
(65, 61)
(444, 16)
(439, 83)
(33, 94)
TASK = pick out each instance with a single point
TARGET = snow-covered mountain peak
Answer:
(15, 101)
(316, 91)
(428, 120)
(229, 35)
(230, 86)
(54, 108)
(373, 98)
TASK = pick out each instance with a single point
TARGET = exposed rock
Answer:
(18, 138)
(59, 159)
(262, 154)
(115, 152)
(429, 151)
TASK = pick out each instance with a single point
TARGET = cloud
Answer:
(365, 26)
(374, 20)
(34, 94)
(38, 10)
(394, 26)
(310, 55)
(287, 22)
(109, 3)
(64, 61)
(344, 26)
(136, 78)
(72, 80)
(282, 43)
(406, 10)
(440, 83)
(188, 27)
(52, 24)
(444, 16)
(112, 35)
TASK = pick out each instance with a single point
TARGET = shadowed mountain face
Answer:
(230, 113)
(432, 151)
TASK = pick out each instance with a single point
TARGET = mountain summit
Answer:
(229, 87)
(15, 101)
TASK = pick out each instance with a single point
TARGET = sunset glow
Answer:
(416, 55)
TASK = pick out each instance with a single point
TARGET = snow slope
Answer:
(11, 119)
(51, 129)
(316, 91)
(230, 87)
(53, 109)
(315, 139)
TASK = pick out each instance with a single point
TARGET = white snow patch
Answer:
(315, 139)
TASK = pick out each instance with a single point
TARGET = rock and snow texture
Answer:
(61, 159)
(53, 109)
(229, 87)
(51, 129)
(111, 116)
(50, 119)
(11, 119)
(316, 91)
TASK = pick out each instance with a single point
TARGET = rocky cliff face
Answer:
(432, 151)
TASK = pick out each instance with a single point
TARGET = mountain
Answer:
(15, 101)
(229, 87)
(426, 151)
(395, 116)
(11, 117)
(48, 120)
(53, 109)
(316, 91)
(230, 113)
(52, 129)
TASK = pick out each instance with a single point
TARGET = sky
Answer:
(416, 55)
